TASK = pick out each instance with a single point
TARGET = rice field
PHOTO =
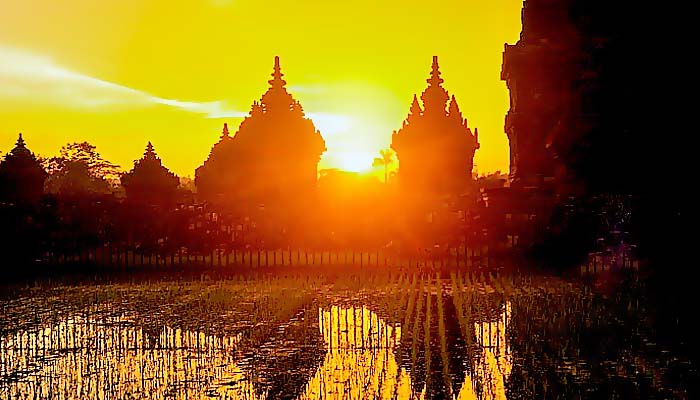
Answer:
(314, 335)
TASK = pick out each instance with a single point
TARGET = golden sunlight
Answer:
(341, 200)
(355, 161)
(109, 76)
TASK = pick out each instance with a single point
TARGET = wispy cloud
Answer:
(27, 76)
(310, 89)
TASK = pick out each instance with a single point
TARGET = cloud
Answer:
(311, 89)
(213, 109)
(38, 79)
(27, 76)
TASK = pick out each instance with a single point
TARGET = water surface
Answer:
(383, 336)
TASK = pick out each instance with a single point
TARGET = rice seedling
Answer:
(443, 340)
(416, 324)
(426, 343)
(257, 334)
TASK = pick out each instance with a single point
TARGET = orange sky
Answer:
(120, 73)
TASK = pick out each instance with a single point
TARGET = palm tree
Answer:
(385, 158)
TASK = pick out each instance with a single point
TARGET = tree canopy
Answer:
(80, 169)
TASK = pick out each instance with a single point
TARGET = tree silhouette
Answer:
(87, 153)
(80, 169)
(386, 157)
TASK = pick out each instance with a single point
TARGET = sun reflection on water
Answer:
(495, 360)
(360, 361)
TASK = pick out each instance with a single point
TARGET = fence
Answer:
(611, 259)
(110, 257)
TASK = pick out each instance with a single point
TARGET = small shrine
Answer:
(149, 182)
(21, 175)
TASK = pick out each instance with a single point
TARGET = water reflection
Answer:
(362, 348)
(495, 360)
(460, 338)
(89, 357)
(360, 362)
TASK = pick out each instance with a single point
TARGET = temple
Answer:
(577, 87)
(21, 176)
(538, 72)
(274, 154)
(149, 182)
(434, 146)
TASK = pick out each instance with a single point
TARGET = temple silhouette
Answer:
(435, 147)
(149, 182)
(577, 87)
(21, 176)
(578, 154)
(273, 155)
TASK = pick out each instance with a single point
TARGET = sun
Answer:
(354, 161)
(352, 142)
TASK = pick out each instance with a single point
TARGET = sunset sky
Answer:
(120, 73)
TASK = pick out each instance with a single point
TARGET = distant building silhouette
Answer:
(434, 146)
(21, 176)
(149, 182)
(273, 155)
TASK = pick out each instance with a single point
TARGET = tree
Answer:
(386, 157)
(80, 169)
(86, 153)
(492, 180)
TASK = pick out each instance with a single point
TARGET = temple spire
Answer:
(276, 99)
(224, 132)
(435, 78)
(20, 147)
(415, 106)
(277, 75)
(150, 154)
(415, 111)
(20, 141)
(256, 108)
(454, 108)
(435, 97)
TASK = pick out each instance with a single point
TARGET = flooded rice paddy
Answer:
(311, 336)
